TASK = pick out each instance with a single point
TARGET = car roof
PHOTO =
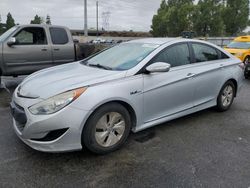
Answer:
(161, 41)
(158, 41)
(40, 25)
(243, 38)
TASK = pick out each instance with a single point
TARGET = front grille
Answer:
(20, 126)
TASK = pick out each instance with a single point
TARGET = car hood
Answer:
(49, 82)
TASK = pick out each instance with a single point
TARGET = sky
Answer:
(124, 14)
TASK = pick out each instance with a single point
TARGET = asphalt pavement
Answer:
(205, 149)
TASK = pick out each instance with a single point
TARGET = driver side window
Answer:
(31, 36)
(176, 55)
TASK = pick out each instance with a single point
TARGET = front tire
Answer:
(107, 129)
(226, 96)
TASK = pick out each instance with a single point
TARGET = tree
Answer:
(37, 20)
(175, 3)
(10, 22)
(207, 18)
(48, 20)
(172, 18)
(235, 16)
(160, 21)
(180, 18)
(1, 26)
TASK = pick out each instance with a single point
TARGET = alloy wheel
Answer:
(110, 129)
(227, 95)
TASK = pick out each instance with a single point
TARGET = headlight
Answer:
(56, 103)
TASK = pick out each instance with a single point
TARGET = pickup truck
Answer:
(25, 49)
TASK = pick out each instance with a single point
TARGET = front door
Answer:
(170, 92)
(30, 53)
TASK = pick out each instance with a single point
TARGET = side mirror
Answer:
(158, 67)
(11, 41)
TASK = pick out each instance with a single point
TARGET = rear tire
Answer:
(107, 129)
(246, 72)
(226, 96)
(246, 63)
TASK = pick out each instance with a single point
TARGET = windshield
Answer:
(7, 33)
(239, 45)
(121, 57)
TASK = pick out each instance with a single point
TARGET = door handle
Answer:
(44, 49)
(190, 75)
(56, 49)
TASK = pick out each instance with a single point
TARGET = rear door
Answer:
(62, 45)
(209, 72)
(31, 51)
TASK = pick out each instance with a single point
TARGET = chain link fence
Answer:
(219, 41)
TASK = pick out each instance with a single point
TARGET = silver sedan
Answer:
(133, 86)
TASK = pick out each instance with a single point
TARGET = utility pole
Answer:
(85, 19)
(97, 14)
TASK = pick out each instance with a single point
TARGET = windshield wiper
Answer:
(100, 66)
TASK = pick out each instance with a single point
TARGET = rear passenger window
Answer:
(204, 53)
(59, 36)
(176, 55)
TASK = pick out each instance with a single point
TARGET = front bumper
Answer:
(32, 129)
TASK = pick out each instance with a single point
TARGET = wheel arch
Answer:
(247, 55)
(125, 104)
(131, 112)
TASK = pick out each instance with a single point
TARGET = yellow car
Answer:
(240, 47)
